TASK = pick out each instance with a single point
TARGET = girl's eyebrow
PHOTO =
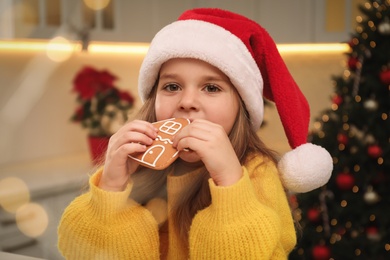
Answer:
(214, 78)
(168, 76)
(204, 78)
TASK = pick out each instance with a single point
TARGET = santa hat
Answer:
(245, 52)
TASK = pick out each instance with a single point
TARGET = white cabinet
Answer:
(138, 20)
(287, 21)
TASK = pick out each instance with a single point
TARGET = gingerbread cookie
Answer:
(161, 154)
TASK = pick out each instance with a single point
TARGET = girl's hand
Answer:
(130, 138)
(210, 142)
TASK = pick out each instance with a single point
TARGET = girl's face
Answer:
(194, 89)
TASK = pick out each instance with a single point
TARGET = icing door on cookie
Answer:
(151, 153)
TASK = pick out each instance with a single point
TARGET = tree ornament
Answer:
(337, 99)
(368, 53)
(354, 233)
(370, 105)
(351, 43)
(321, 252)
(342, 138)
(373, 233)
(354, 149)
(370, 139)
(341, 231)
(370, 196)
(359, 134)
(314, 215)
(334, 116)
(353, 63)
(345, 181)
(384, 26)
(374, 151)
(385, 76)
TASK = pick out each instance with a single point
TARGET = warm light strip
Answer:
(141, 48)
(313, 47)
(94, 47)
(36, 46)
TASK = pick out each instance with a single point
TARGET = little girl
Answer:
(224, 198)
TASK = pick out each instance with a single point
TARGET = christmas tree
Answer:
(349, 217)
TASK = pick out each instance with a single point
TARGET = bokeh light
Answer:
(96, 4)
(32, 219)
(59, 49)
(13, 194)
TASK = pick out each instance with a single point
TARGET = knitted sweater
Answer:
(248, 220)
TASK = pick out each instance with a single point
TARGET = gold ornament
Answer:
(371, 105)
(371, 197)
(384, 26)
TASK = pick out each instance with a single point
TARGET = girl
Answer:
(224, 196)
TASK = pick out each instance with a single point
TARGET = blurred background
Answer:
(45, 156)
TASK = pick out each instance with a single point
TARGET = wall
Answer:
(38, 124)
(312, 72)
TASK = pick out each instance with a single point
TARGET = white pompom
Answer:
(305, 168)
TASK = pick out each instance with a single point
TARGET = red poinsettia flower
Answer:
(101, 104)
(353, 63)
(88, 82)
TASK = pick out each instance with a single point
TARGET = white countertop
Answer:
(8, 256)
(45, 179)
(52, 175)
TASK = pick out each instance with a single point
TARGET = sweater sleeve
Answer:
(107, 225)
(239, 224)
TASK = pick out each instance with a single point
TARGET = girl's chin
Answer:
(189, 156)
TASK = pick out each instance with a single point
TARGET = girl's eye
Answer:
(172, 87)
(212, 88)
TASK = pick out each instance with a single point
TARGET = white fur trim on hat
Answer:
(305, 168)
(210, 43)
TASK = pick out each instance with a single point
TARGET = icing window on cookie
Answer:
(170, 127)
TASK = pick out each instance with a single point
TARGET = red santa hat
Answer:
(246, 53)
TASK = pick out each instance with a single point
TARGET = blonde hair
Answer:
(245, 142)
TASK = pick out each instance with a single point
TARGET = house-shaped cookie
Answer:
(161, 154)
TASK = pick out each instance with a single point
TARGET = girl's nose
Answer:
(189, 100)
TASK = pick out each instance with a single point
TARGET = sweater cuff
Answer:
(106, 202)
(239, 197)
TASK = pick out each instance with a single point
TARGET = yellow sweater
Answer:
(248, 220)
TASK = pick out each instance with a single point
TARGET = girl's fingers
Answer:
(135, 132)
(135, 137)
(202, 137)
(211, 143)
(198, 129)
(130, 148)
(130, 138)
(139, 126)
